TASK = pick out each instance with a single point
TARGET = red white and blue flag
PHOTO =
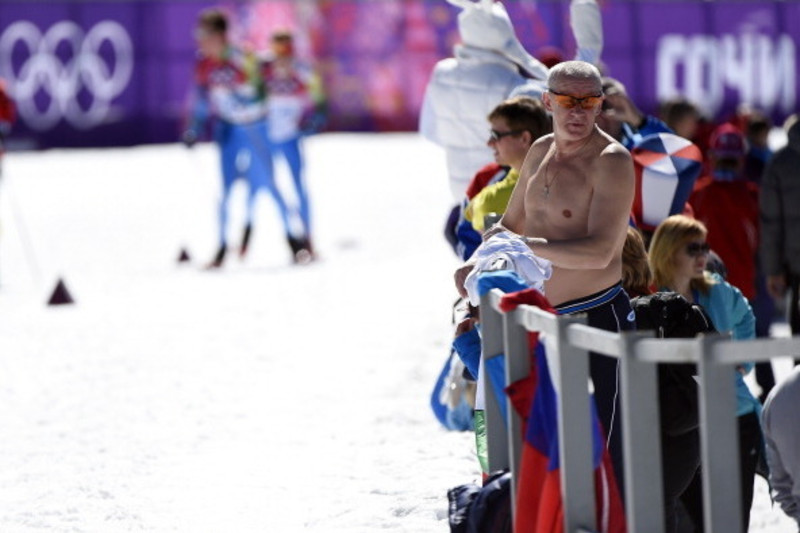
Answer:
(539, 506)
(666, 168)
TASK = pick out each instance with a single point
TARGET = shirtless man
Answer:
(573, 200)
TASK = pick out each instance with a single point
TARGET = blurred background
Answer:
(118, 73)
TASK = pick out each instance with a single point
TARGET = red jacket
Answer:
(7, 109)
(729, 209)
(483, 178)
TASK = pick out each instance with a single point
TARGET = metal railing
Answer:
(505, 335)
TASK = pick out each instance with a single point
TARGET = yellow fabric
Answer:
(492, 199)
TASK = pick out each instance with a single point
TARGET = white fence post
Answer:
(575, 440)
(644, 491)
(517, 366)
(492, 342)
(719, 441)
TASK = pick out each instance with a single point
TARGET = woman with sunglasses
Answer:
(678, 254)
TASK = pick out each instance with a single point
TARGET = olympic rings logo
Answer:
(63, 74)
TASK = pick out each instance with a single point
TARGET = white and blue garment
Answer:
(507, 251)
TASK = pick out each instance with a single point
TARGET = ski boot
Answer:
(243, 247)
(219, 258)
(302, 252)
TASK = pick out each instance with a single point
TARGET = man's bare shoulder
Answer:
(613, 153)
(541, 145)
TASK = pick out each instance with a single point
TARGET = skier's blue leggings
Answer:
(291, 152)
(251, 140)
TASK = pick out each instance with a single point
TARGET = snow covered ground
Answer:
(261, 397)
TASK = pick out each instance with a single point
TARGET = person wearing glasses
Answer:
(572, 204)
(488, 65)
(678, 254)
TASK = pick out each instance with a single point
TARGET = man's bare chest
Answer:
(559, 202)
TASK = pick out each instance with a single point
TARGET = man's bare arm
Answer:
(514, 217)
(609, 211)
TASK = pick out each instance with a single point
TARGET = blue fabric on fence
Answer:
(505, 280)
(468, 347)
(458, 418)
(496, 373)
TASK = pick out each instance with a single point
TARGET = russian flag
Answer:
(539, 507)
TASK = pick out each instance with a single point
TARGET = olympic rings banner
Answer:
(108, 73)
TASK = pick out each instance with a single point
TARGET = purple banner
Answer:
(96, 73)
(118, 73)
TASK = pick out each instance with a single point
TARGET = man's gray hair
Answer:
(574, 71)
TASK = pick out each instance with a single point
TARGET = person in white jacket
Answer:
(781, 424)
(489, 66)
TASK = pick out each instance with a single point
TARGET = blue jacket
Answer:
(731, 313)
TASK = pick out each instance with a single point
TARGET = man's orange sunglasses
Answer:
(570, 102)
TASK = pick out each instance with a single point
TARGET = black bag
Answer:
(482, 509)
(670, 315)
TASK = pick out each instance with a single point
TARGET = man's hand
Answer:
(621, 108)
(465, 325)
(776, 286)
(461, 276)
(494, 230)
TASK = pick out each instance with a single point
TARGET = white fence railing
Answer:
(505, 335)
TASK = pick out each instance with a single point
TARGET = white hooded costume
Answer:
(489, 66)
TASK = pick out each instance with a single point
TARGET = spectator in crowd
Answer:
(727, 204)
(756, 127)
(726, 201)
(681, 116)
(622, 119)
(780, 223)
(488, 66)
(680, 443)
(295, 107)
(637, 278)
(513, 127)
(686, 119)
(228, 93)
(571, 205)
(678, 254)
(781, 422)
